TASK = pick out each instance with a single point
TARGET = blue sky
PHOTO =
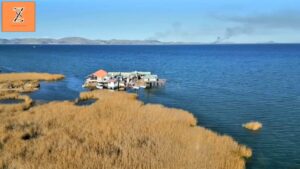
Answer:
(206, 21)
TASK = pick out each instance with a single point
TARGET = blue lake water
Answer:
(224, 86)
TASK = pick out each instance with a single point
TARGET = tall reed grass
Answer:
(25, 104)
(115, 132)
(30, 76)
(253, 125)
(24, 82)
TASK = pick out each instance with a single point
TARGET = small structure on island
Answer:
(94, 78)
(122, 80)
(100, 74)
(112, 84)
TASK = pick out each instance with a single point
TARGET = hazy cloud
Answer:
(250, 24)
(176, 30)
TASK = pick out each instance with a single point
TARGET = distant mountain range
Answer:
(84, 41)
(79, 40)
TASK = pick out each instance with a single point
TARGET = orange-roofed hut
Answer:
(100, 74)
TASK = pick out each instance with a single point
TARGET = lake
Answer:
(224, 86)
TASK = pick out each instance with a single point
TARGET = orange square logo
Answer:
(18, 16)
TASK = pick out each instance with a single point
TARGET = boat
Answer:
(112, 84)
(99, 86)
(136, 87)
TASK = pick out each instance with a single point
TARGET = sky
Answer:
(204, 21)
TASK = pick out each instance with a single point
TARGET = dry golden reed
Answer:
(25, 104)
(116, 132)
(11, 84)
(24, 82)
(29, 76)
(253, 125)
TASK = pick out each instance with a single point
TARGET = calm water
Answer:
(224, 86)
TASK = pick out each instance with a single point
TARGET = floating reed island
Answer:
(24, 82)
(122, 80)
(116, 131)
(253, 125)
(13, 84)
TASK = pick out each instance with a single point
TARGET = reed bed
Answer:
(253, 125)
(19, 86)
(26, 102)
(24, 82)
(29, 76)
(117, 131)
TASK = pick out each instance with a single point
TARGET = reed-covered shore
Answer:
(117, 131)
(12, 85)
(30, 76)
(24, 82)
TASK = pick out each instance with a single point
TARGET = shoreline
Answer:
(123, 127)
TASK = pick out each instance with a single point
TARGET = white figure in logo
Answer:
(19, 15)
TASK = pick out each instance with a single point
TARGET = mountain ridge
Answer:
(86, 41)
(79, 40)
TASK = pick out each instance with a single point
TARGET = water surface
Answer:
(10, 101)
(224, 86)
